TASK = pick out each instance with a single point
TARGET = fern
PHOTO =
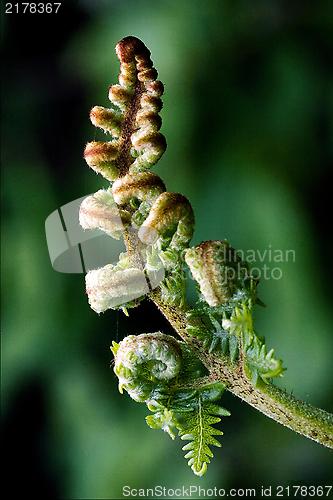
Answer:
(260, 364)
(225, 341)
(197, 428)
(157, 226)
(162, 418)
(214, 337)
(192, 413)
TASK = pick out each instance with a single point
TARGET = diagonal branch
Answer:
(135, 123)
(303, 418)
(275, 403)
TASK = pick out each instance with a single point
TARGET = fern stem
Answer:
(136, 146)
(301, 417)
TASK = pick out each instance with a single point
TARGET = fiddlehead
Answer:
(100, 211)
(146, 364)
(144, 186)
(165, 220)
(180, 382)
(171, 218)
(134, 124)
(155, 368)
(138, 192)
(218, 270)
(112, 287)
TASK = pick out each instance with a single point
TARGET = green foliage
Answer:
(214, 337)
(164, 373)
(199, 431)
(192, 413)
(162, 418)
(173, 288)
(169, 261)
(225, 333)
(260, 364)
(225, 341)
(155, 368)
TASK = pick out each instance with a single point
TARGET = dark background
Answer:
(248, 118)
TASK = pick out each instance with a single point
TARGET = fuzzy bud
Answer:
(108, 288)
(218, 270)
(171, 216)
(120, 96)
(101, 157)
(106, 119)
(144, 186)
(99, 211)
(145, 362)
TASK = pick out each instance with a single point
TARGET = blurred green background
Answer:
(248, 118)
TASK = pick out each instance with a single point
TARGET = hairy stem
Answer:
(276, 403)
(124, 158)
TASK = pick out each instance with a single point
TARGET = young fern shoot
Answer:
(180, 381)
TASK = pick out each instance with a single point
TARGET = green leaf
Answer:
(193, 412)
(198, 429)
(163, 419)
(224, 341)
(214, 337)
(173, 288)
(260, 364)
(114, 348)
(196, 416)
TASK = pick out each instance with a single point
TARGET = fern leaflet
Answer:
(199, 431)
(260, 364)
(192, 412)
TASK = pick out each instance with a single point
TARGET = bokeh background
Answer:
(248, 119)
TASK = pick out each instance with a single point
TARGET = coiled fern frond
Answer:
(181, 382)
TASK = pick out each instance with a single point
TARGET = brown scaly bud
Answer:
(144, 186)
(131, 47)
(120, 96)
(136, 125)
(101, 157)
(171, 216)
(217, 269)
(106, 119)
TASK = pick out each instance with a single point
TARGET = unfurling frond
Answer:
(137, 200)
(145, 363)
(134, 123)
(156, 369)
(177, 380)
(218, 270)
(171, 218)
(111, 287)
(99, 211)
(145, 187)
